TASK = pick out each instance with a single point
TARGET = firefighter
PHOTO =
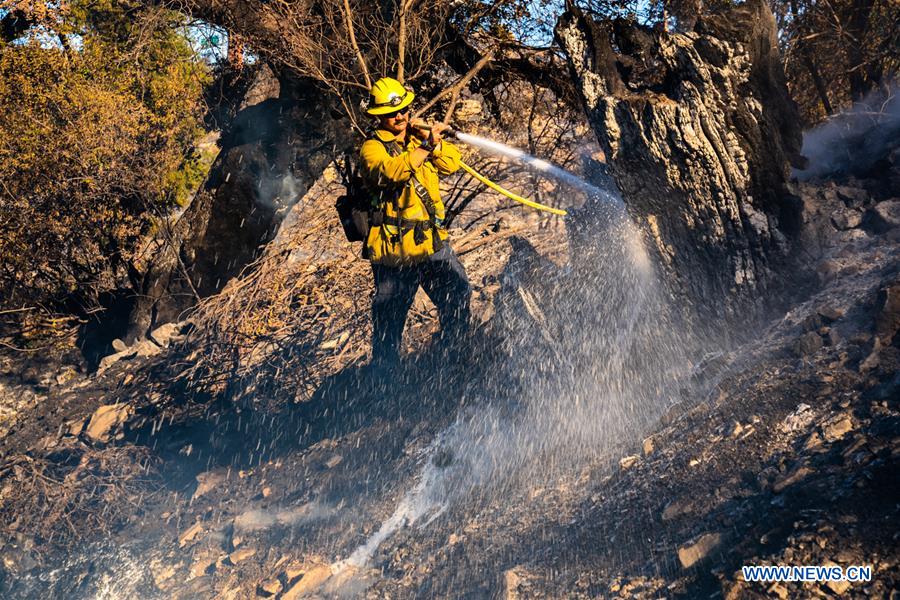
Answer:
(407, 242)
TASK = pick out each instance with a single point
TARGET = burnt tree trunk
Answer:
(699, 132)
(282, 137)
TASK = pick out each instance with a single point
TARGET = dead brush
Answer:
(60, 500)
(296, 315)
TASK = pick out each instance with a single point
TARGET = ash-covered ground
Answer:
(580, 445)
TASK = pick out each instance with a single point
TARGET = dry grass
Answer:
(57, 501)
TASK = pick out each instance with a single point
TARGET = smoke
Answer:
(853, 142)
(278, 193)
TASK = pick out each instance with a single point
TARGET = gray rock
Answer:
(887, 317)
(789, 479)
(629, 461)
(165, 335)
(807, 344)
(108, 361)
(269, 587)
(884, 216)
(846, 218)
(852, 196)
(690, 554)
(146, 348)
(830, 314)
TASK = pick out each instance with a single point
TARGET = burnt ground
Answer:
(785, 452)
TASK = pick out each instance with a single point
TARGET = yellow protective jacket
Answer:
(389, 178)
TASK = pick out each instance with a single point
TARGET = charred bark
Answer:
(282, 137)
(699, 131)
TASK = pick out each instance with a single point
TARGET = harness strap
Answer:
(394, 149)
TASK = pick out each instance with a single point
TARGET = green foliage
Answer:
(98, 135)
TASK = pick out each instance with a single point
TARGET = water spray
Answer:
(537, 164)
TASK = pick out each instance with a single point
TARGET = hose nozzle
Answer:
(449, 132)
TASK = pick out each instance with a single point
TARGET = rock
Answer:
(887, 317)
(146, 348)
(207, 482)
(105, 419)
(778, 590)
(846, 218)
(164, 335)
(269, 588)
(813, 443)
(789, 479)
(241, 555)
(75, 428)
(334, 461)
(511, 584)
(736, 430)
(203, 566)
(807, 344)
(629, 461)
(811, 323)
(674, 509)
(884, 216)
(799, 419)
(837, 428)
(190, 534)
(852, 196)
(293, 571)
(838, 587)
(872, 360)
(647, 446)
(690, 554)
(108, 361)
(311, 581)
(830, 314)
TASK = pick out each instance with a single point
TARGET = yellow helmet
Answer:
(388, 95)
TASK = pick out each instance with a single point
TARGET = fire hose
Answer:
(494, 186)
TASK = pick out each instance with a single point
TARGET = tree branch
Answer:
(460, 83)
(348, 21)
(13, 25)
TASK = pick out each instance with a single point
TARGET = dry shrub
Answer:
(74, 493)
(296, 315)
(97, 140)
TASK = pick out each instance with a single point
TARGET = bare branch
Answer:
(348, 20)
(460, 83)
